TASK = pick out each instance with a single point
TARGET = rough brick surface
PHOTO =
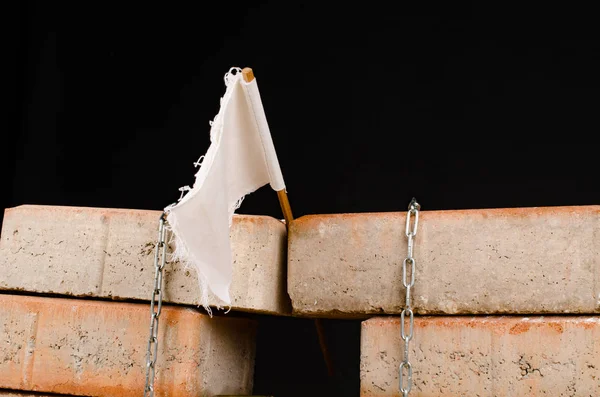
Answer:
(12, 393)
(525, 260)
(484, 356)
(90, 348)
(110, 253)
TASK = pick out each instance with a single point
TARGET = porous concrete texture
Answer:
(521, 260)
(91, 348)
(109, 253)
(496, 356)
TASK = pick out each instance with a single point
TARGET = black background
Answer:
(368, 105)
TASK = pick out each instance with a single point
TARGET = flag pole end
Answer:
(248, 74)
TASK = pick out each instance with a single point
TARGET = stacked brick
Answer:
(74, 312)
(507, 300)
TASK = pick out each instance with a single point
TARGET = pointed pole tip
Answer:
(248, 74)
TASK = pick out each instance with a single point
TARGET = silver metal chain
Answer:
(160, 259)
(411, 232)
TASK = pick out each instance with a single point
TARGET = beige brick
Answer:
(491, 261)
(484, 356)
(110, 253)
(92, 348)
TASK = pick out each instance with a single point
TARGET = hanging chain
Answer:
(411, 232)
(160, 259)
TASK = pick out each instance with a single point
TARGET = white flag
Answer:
(241, 158)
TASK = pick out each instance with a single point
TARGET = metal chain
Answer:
(160, 259)
(411, 232)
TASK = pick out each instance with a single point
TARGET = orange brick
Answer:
(109, 253)
(484, 356)
(486, 261)
(98, 348)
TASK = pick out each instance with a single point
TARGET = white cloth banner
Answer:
(241, 158)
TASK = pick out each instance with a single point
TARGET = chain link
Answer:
(411, 232)
(160, 259)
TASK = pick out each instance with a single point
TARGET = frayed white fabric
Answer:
(241, 158)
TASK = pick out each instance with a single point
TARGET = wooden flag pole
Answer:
(248, 76)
